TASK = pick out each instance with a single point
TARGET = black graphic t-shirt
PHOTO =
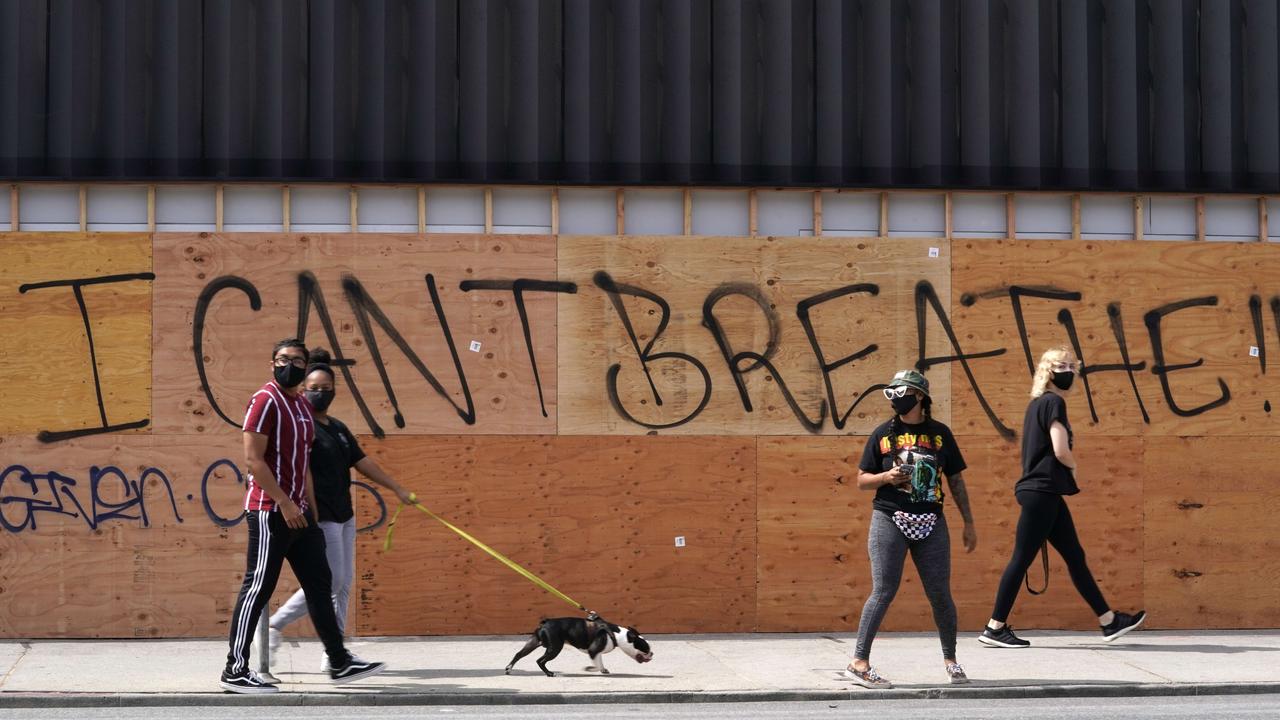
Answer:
(929, 445)
(1041, 470)
(333, 455)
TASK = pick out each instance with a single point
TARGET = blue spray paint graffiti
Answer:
(52, 492)
(113, 495)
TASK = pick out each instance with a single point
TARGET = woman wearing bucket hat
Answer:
(1048, 475)
(904, 461)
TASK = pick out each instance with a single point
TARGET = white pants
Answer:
(340, 550)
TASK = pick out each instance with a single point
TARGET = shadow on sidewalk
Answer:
(1151, 647)
(445, 673)
(1011, 682)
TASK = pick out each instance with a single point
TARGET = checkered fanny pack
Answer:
(915, 526)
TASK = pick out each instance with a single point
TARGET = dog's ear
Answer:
(632, 635)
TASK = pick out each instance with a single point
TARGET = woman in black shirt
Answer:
(1049, 474)
(333, 454)
(904, 461)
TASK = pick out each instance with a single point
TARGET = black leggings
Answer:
(1045, 517)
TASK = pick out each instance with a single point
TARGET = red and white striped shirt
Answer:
(289, 425)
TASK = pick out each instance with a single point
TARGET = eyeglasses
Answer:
(896, 392)
(282, 360)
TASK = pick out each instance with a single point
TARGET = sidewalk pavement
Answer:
(686, 668)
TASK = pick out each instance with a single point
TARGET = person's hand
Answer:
(897, 476)
(293, 515)
(406, 497)
(970, 537)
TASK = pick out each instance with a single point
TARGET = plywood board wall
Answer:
(590, 488)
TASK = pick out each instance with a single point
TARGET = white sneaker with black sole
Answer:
(355, 670)
(246, 682)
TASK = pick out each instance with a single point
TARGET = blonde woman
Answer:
(1048, 476)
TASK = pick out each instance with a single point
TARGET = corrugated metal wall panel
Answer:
(1080, 94)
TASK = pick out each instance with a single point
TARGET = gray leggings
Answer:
(340, 550)
(888, 548)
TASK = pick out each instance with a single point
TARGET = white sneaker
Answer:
(274, 639)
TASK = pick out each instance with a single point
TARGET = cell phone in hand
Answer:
(906, 469)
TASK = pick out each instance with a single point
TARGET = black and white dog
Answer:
(593, 636)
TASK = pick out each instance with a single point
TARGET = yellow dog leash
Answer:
(386, 546)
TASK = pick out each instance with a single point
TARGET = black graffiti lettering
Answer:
(365, 308)
(926, 295)
(77, 289)
(1160, 369)
(757, 360)
(712, 324)
(1087, 370)
(1016, 293)
(1117, 329)
(1255, 312)
(615, 291)
(203, 302)
(310, 294)
(518, 288)
(802, 311)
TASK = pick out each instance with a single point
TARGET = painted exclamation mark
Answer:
(1260, 351)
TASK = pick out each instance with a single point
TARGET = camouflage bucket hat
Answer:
(912, 379)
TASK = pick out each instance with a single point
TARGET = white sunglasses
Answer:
(896, 392)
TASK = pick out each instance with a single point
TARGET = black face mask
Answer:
(904, 404)
(319, 399)
(290, 375)
(1063, 380)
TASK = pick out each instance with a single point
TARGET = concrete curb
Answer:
(363, 699)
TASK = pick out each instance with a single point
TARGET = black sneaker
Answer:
(355, 670)
(1121, 624)
(246, 682)
(1002, 638)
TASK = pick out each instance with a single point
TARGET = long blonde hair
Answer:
(1044, 371)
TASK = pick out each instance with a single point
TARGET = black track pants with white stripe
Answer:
(271, 542)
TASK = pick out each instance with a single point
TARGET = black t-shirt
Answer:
(1041, 470)
(333, 455)
(929, 443)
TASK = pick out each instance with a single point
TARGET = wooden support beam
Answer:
(1075, 216)
(817, 213)
(217, 208)
(422, 210)
(688, 211)
(1139, 218)
(1262, 219)
(1010, 216)
(84, 208)
(947, 225)
(752, 213)
(1199, 217)
(555, 211)
(286, 217)
(488, 211)
(355, 209)
(151, 208)
(13, 207)
(621, 208)
(884, 214)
